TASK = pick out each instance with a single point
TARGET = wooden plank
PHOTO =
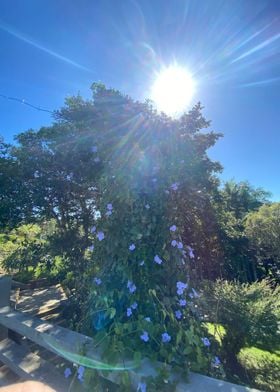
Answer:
(30, 366)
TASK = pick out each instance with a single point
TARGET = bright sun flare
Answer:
(173, 90)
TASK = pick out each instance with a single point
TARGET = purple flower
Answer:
(97, 159)
(182, 302)
(94, 148)
(216, 361)
(100, 235)
(93, 229)
(67, 372)
(191, 254)
(145, 336)
(132, 247)
(157, 259)
(134, 305)
(179, 245)
(81, 371)
(173, 228)
(128, 312)
(165, 338)
(109, 207)
(154, 180)
(206, 342)
(148, 319)
(181, 287)
(91, 248)
(141, 387)
(174, 186)
(147, 206)
(174, 243)
(131, 287)
(178, 314)
(97, 281)
(142, 263)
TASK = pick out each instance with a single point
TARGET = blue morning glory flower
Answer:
(182, 302)
(93, 229)
(134, 305)
(174, 243)
(109, 207)
(181, 287)
(206, 342)
(94, 148)
(157, 259)
(191, 254)
(165, 338)
(67, 372)
(154, 180)
(91, 248)
(81, 371)
(141, 387)
(173, 228)
(128, 312)
(178, 314)
(179, 245)
(174, 186)
(131, 287)
(132, 247)
(147, 206)
(98, 281)
(97, 159)
(100, 235)
(145, 336)
(216, 361)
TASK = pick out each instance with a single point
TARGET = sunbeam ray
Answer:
(21, 37)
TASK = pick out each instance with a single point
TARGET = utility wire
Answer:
(23, 101)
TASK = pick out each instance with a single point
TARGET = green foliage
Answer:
(262, 227)
(250, 313)
(262, 367)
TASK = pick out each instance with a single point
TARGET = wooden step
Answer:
(30, 366)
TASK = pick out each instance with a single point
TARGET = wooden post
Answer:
(5, 293)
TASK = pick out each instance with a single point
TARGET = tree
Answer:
(129, 189)
(262, 227)
(232, 203)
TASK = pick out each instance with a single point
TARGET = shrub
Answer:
(262, 367)
(250, 313)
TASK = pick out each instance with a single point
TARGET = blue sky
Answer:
(53, 48)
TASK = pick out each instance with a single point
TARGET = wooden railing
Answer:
(30, 366)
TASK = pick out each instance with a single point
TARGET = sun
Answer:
(173, 90)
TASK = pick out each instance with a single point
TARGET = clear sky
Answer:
(53, 48)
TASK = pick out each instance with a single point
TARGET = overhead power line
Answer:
(24, 102)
